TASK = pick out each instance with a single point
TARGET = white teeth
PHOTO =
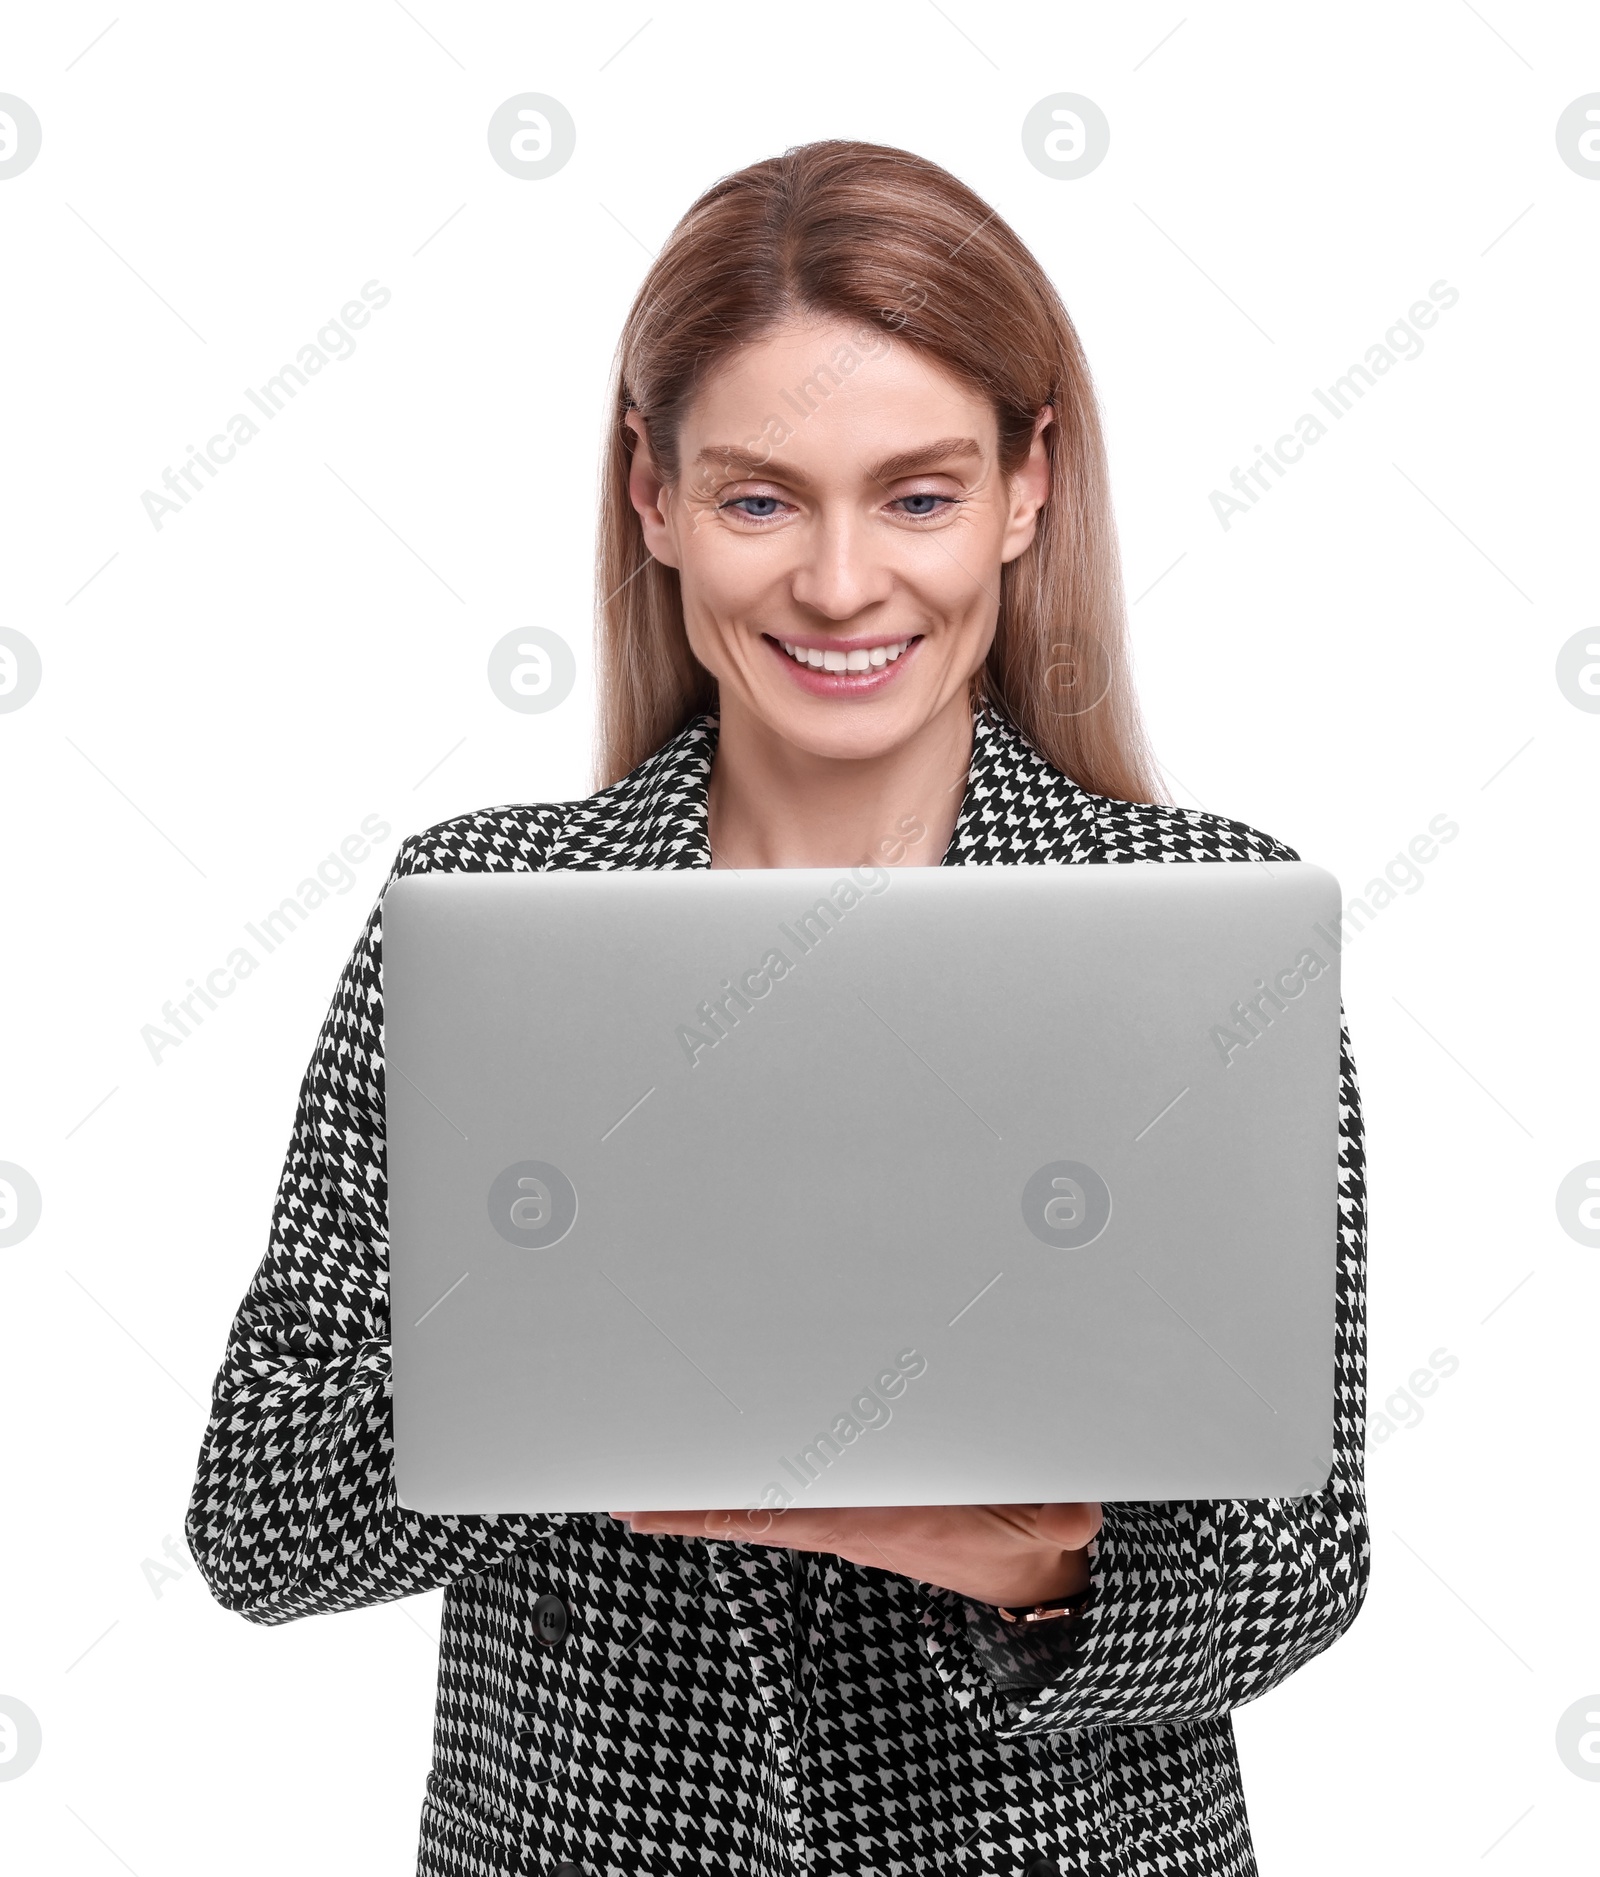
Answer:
(870, 658)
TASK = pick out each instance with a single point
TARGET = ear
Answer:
(1030, 490)
(647, 492)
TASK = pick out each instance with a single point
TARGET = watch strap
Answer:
(1046, 1612)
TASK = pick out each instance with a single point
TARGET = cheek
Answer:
(955, 571)
(723, 577)
(726, 595)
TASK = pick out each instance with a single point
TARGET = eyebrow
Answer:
(727, 456)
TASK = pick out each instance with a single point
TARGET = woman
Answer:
(861, 601)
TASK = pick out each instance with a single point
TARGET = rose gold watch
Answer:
(1046, 1612)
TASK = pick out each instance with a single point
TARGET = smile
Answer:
(861, 658)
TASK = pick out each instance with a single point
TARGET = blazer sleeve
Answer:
(1197, 1606)
(294, 1509)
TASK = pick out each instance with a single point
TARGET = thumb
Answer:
(1070, 1526)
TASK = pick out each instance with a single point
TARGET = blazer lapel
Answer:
(1017, 807)
(654, 817)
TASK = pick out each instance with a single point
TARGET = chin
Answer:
(845, 732)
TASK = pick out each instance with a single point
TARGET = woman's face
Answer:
(838, 527)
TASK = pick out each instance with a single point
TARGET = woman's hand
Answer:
(1013, 1555)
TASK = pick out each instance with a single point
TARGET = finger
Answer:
(845, 1534)
(794, 1530)
(665, 1524)
(757, 1527)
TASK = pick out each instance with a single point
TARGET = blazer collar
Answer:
(1016, 806)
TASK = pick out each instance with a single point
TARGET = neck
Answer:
(772, 804)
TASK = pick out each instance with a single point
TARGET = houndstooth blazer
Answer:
(717, 1708)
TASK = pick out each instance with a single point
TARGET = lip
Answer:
(842, 683)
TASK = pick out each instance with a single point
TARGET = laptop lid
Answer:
(861, 1187)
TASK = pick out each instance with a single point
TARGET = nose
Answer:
(841, 573)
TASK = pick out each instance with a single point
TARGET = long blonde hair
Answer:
(894, 243)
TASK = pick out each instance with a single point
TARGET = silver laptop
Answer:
(959, 1185)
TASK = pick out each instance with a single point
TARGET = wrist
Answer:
(1057, 1575)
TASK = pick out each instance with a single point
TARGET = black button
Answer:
(568, 1870)
(1043, 1867)
(550, 1625)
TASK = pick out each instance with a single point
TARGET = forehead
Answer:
(831, 382)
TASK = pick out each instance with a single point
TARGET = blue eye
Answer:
(757, 507)
(932, 500)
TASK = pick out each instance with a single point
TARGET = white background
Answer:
(226, 698)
